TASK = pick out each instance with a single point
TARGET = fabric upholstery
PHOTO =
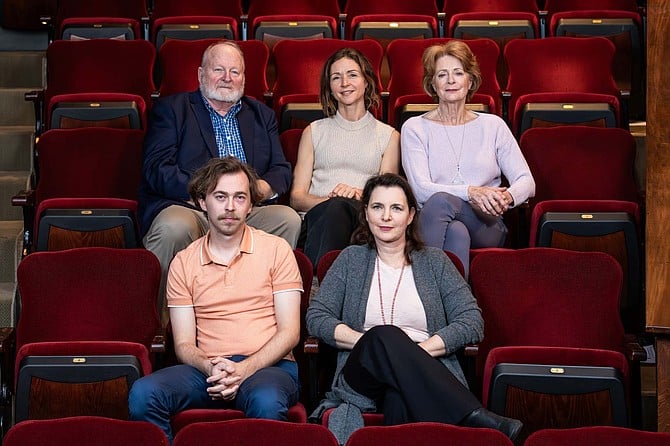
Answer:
(89, 162)
(406, 69)
(581, 163)
(254, 431)
(548, 297)
(82, 203)
(96, 96)
(88, 294)
(456, 10)
(179, 61)
(426, 434)
(100, 65)
(559, 65)
(195, 11)
(85, 348)
(85, 430)
(391, 11)
(597, 435)
(296, 10)
(97, 12)
(552, 355)
(543, 207)
(558, 9)
(176, 8)
(324, 264)
(296, 414)
(299, 64)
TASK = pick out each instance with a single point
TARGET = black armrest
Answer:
(26, 199)
(159, 341)
(48, 23)
(7, 343)
(506, 96)
(37, 98)
(633, 350)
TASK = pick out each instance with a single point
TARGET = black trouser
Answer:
(329, 226)
(410, 385)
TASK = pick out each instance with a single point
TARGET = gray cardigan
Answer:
(451, 310)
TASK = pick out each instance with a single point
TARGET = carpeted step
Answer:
(10, 183)
(10, 254)
(22, 69)
(14, 109)
(16, 145)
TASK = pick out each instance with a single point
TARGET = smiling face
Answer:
(388, 215)
(347, 82)
(451, 82)
(222, 75)
(229, 204)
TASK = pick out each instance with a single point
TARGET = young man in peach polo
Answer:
(234, 302)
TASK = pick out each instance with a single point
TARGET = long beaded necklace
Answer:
(395, 293)
(458, 178)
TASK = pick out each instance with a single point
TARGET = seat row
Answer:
(96, 431)
(89, 325)
(619, 20)
(326, 18)
(583, 189)
(548, 81)
(68, 170)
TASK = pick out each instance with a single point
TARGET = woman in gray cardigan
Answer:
(391, 306)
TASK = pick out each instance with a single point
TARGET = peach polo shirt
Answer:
(234, 303)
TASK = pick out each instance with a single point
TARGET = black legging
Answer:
(387, 366)
(329, 226)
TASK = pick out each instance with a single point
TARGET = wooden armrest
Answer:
(7, 338)
(311, 345)
(24, 198)
(158, 342)
(633, 350)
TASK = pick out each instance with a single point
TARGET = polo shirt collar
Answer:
(246, 246)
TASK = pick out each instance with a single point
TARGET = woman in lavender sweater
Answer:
(455, 158)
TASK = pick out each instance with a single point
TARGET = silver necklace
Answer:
(457, 179)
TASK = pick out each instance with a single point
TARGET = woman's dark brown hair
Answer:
(363, 235)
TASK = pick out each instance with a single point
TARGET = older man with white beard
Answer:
(188, 129)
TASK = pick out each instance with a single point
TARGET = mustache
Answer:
(227, 215)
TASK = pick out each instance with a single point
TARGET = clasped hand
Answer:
(224, 378)
(490, 200)
(346, 191)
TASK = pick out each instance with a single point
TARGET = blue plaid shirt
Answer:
(227, 131)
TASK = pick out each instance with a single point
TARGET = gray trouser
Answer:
(449, 223)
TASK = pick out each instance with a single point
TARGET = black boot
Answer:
(485, 418)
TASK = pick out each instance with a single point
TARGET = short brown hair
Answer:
(455, 48)
(371, 96)
(204, 179)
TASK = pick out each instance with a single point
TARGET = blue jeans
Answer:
(268, 393)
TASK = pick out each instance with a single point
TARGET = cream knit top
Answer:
(346, 152)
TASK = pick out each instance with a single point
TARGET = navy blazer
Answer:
(180, 139)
